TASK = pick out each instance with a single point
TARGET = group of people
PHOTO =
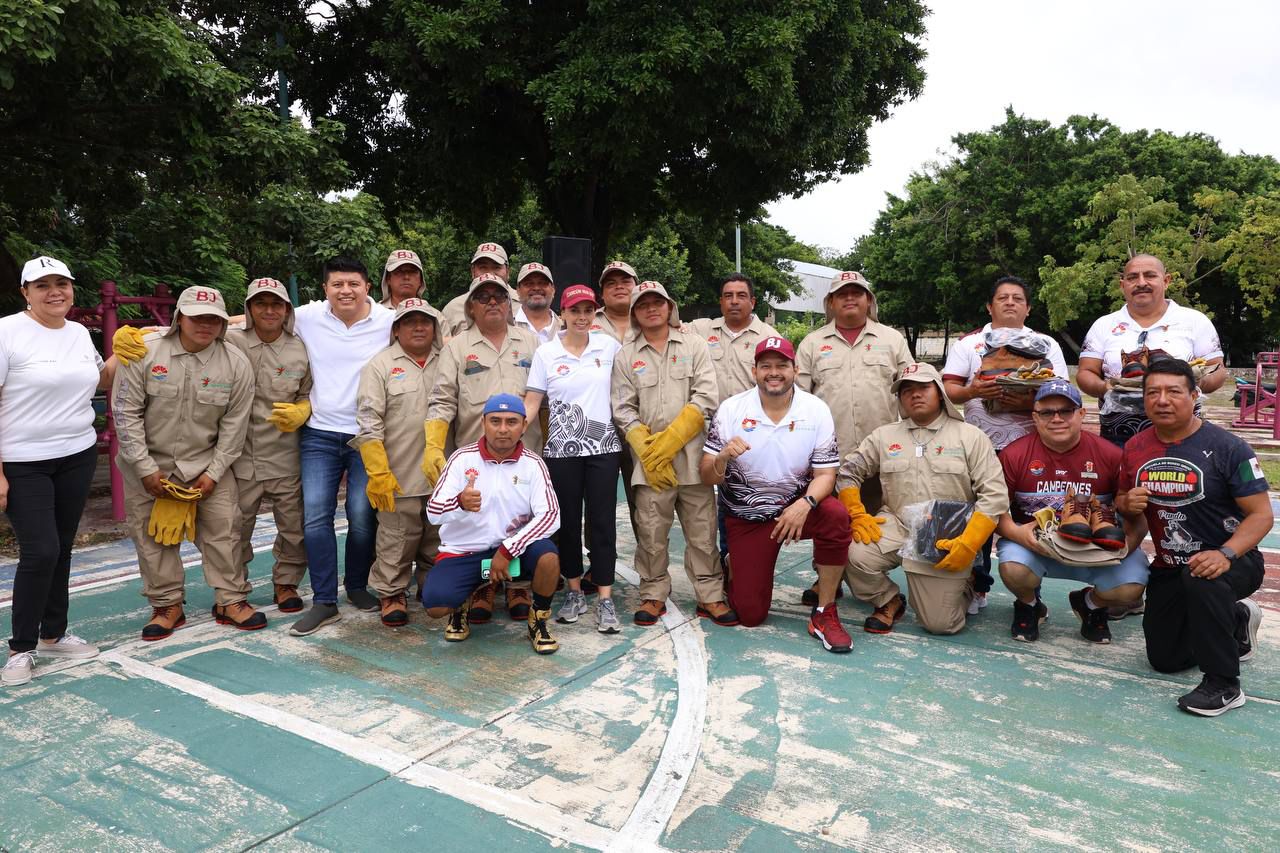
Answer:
(478, 442)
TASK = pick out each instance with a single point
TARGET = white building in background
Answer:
(814, 279)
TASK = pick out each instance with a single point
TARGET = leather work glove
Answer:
(864, 526)
(962, 549)
(186, 494)
(383, 486)
(169, 520)
(287, 417)
(189, 522)
(433, 460)
(127, 345)
(664, 446)
(636, 438)
(660, 475)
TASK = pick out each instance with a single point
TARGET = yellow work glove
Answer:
(962, 549)
(864, 526)
(287, 417)
(168, 520)
(433, 453)
(127, 344)
(383, 486)
(636, 438)
(189, 522)
(664, 446)
(661, 475)
(181, 493)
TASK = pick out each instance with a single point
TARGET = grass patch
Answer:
(1271, 470)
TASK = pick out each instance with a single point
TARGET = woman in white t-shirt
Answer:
(49, 370)
(583, 452)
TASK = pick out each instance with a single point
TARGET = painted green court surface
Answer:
(683, 737)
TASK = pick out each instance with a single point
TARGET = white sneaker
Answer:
(575, 605)
(69, 646)
(17, 669)
(607, 617)
(978, 602)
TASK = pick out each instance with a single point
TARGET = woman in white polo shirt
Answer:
(49, 370)
(583, 452)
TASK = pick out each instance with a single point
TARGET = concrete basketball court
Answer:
(686, 737)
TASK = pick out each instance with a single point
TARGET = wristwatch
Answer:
(812, 503)
(1228, 553)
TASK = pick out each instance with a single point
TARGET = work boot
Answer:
(1106, 533)
(164, 621)
(482, 604)
(395, 610)
(518, 602)
(458, 629)
(886, 615)
(287, 598)
(540, 634)
(1133, 365)
(718, 612)
(240, 615)
(649, 611)
(1073, 523)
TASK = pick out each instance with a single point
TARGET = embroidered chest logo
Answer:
(749, 424)
(397, 373)
(159, 373)
(894, 450)
(471, 474)
(563, 369)
(639, 367)
(1036, 467)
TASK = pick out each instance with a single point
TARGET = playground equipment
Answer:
(1257, 403)
(105, 317)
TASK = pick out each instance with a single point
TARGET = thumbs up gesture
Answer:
(469, 497)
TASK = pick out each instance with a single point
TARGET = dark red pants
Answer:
(752, 555)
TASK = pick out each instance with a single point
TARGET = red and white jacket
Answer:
(517, 504)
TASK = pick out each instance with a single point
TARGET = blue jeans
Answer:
(325, 456)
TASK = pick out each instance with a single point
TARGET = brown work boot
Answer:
(241, 615)
(649, 612)
(164, 621)
(519, 601)
(1133, 365)
(1074, 522)
(395, 610)
(718, 612)
(886, 616)
(287, 598)
(482, 604)
(1102, 521)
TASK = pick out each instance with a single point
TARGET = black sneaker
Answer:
(1213, 697)
(1027, 619)
(1093, 620)
(1248, 619)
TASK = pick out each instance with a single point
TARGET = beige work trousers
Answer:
(938, 601)
(286, 506)
(404, 536)
(217, 516)
(655, 511)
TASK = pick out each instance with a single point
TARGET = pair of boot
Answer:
(1087, 520)
(168, 618)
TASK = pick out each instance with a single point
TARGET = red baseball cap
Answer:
(575, 293)
(782, 346)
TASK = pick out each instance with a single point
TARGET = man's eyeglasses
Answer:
(485, 297)
(1050, 414)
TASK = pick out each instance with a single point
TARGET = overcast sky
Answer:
(1210, 67)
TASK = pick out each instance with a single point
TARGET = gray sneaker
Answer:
(575, 604)
(362, 599)
(70, 647)
(316, 618)
(607, 617)
(17, 669)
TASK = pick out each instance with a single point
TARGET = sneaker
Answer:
(809, 598)
(977, 603)
(519, 600)
(459, 627)
(1120, 611)
(316, 618)
(17, 669)
(719, 613)
(69, 646)
(1073, 522)
(539, 634)
(1106, 533)
(287, 598)
(395, 610)
(1093, 620)
(1214, 696)
(1027, 619)
(826, 627)
(1250, 619)
(886, 616)
(649, 611)
(482, 604)
(240, 615)
(575, 605)
(164, 621)
(364, 600)
(607, 617)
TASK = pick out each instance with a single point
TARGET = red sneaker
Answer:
(827, 628)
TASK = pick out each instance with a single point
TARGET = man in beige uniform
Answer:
(664, 387)
(401, 277)
(391, 406)
(732, 337)
(535, 289)
(850, 364)
(930, 454)
(489, 259)
(617, 281)
(489, 357)
(181, 413)
(270, 465)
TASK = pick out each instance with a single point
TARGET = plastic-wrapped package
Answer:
(1023, 343)
(929, 521)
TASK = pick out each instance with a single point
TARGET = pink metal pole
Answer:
(109, 325)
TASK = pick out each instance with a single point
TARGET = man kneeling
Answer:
(494, 502)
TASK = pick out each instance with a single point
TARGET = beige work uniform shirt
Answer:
(455, 315)
(281, 374)
(182, 413)
(956, 462)
(651, 387)
(732, 357)
(391, 407)
(853, 379)
(604, 326)
(471, 371)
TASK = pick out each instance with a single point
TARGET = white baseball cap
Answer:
(42, 266)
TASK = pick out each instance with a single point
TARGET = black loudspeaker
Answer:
(570, 261)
